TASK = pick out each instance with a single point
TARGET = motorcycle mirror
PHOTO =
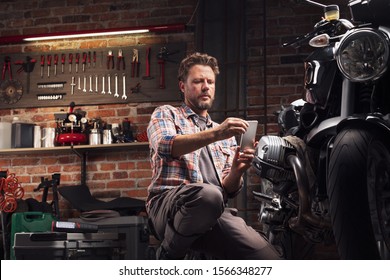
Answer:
(320, 41)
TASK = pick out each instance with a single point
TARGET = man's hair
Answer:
(196, 59)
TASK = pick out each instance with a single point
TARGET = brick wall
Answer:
(127, 173)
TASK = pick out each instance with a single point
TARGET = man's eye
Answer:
(210, 82)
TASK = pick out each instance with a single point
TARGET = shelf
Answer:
(76, 148)
(80, 150)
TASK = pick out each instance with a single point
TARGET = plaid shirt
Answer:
(166, 123)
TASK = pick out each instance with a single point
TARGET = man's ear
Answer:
(181, 86)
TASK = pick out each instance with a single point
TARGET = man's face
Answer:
(199, 89)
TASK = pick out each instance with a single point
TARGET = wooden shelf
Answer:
(77, 148)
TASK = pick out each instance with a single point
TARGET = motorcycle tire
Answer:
(358, 180)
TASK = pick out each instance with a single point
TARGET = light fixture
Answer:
(92, 33)
(83, 34)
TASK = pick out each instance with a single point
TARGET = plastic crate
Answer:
(67, 246)
(135, 229)
(29, 222)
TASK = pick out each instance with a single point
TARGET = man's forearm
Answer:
(184, 144)
(232, 182)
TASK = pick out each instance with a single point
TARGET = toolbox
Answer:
(135, 229)
(68, 246)
(29, 222)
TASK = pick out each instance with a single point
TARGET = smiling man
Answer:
(196, 167)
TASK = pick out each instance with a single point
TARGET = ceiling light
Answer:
(92, 33)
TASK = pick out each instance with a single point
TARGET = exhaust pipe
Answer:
(305, 215)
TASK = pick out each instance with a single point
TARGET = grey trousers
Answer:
(194, 217)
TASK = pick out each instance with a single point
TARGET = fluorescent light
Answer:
(92, 33)
(83, 35)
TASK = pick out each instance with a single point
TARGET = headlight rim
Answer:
(348, 38)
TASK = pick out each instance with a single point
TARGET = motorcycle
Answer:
(326, 176)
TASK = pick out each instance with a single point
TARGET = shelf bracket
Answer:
(83, 157)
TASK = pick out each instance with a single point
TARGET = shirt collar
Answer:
(188, 113)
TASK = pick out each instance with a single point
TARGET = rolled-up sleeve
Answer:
(162, 132)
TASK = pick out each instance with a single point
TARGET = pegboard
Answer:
(34, 84)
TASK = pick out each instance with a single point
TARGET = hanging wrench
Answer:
(79, 83)
(90, 83)
(85, 84)
(103, 92)
(124, 96)
(116, 85)
(72, 85)
(109, 83)
(96, 83)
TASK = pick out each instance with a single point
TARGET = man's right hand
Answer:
(231, 127)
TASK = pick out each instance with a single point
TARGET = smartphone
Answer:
(247, 139)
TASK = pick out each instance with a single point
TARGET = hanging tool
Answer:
(85, 84)
(109, 83)
(70, 62)
(63, 58)
(89, 59)
(120, 60)
(7, 67)
(124, 96)
(147, 63)
(28, 67)
(77, 62)
(136, 88)
(110, 60)
(55, 64)
(48, 65)
(96, 83)
(72, 84)
(10, 90)
(94, 59)
(84, 60)
(42, 65)
(162, 57)
(52, 85)
(116, 85)
(103, 92)
(90, 83)
(135, 64)
(79, 83)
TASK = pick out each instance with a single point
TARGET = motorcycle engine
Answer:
(270, 159)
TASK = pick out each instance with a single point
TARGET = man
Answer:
(196, 167)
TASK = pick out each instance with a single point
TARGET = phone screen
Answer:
(248, 138)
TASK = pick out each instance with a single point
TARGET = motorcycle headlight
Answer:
(362, 55)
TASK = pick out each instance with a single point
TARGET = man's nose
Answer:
(205, 85)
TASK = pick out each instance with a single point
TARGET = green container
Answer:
(29, 222)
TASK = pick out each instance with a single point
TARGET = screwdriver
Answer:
(42, 64)
(70, 62)
(63, 57)
(77, 62)
(55, 64)
(48, 65)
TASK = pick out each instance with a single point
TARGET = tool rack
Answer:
(130, 74)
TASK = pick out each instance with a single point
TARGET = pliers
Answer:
(135, 64)
(120, 60)
(110, 60)
(7, 66)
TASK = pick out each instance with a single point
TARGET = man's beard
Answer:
(204, 105)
